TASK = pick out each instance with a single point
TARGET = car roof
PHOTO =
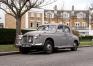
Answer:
(53, 24)
(56, 24)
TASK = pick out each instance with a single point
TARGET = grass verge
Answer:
(86, 43)
(6, 48)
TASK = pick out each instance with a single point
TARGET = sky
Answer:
(67, 4)
(63, 4)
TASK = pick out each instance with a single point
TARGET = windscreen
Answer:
(47, 28)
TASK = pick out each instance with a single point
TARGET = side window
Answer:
(31, 24)
(60, 28)
(67, 29)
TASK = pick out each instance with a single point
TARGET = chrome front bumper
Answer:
(29, 45)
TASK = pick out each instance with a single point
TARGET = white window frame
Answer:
(77, 24)
(65, 15)
(84, 24)
(81, 15)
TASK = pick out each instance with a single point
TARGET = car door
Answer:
(68, 35)
(61, 36)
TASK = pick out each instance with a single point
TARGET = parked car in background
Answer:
(47, 38)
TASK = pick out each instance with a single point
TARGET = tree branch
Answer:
(7, 12)
(25, 1)
(31, 5)
(14, 5)
(47, 3)
(9, 5)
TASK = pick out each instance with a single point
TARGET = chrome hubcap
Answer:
(49, 47)
(75, 45)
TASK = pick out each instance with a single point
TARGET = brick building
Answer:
(31, 20)
(80, 20)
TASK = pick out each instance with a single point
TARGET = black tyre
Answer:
(55, 50)
(24, 50)
(48, 47)
(75, 46)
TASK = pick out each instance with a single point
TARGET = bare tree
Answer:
(19, 7)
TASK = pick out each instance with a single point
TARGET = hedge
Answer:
(82, 38)
(86, 38)
(7, 36)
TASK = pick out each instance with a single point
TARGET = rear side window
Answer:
(66, 29)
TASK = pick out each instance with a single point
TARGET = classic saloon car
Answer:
(48, 38)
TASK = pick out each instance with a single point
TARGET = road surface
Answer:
(82, 57)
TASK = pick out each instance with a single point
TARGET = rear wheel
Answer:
(48, 47)
(75, 46)
(24, 50)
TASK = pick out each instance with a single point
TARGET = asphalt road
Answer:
(82, 57)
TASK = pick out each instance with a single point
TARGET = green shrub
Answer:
(7, 36)
(86, 38)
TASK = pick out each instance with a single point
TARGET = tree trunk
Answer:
(18, 28)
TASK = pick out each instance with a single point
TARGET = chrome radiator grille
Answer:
(27, 39)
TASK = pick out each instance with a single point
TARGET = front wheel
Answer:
(75, 46)
(48, 47)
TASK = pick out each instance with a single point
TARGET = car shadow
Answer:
(56, 52)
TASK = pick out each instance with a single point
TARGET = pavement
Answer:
(9, 53)
(17, 52)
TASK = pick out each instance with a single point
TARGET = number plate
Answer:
(26, 45)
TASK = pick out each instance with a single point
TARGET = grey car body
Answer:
(60, 36)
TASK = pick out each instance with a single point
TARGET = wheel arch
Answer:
(51, 39)
(76, 41)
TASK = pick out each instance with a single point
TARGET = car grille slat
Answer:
(26, 39)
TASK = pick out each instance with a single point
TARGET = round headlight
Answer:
(30, 39)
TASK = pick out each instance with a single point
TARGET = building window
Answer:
(38, 23)
(83, 24)
(77, 24)
(31, 24)
(65, 15)
(81, 15)
(49, 15)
